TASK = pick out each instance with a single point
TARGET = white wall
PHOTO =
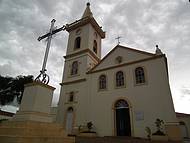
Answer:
(153, 98)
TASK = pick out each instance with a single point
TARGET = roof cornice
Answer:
(126, 64)
(119, 46)
(84, 21)
(81, 52)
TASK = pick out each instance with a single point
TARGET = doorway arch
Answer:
(122, 118)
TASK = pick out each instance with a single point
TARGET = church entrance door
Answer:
(123, 125)
(69, 120)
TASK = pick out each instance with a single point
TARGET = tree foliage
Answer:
(11, 88)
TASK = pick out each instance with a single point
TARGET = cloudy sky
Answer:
(141, 23)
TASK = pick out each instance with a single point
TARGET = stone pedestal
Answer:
(36, 103)
(33, 123)
(90, 134)
(159, 138)
(173, 131)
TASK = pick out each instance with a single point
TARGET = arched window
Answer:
(121, 104)
(71, 97)
(139, 75)
(70, 109)
(95, 47)
(74, 68)
(102, 82)
(77, 43)
(120, 79)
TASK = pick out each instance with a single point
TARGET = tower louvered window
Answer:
(77, 43)
(95, 47)
(74, 68)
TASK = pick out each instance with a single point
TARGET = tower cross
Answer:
(118, 39)
(43, 77)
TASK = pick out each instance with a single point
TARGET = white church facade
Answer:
(121, 94)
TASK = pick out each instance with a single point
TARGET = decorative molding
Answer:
(171, 123)
(119, 46)
(5, 113)
(126, 64)
(36, 83)
(33, 113)
(74, 81)
(82, 52)
(84, 21)
(71, 103)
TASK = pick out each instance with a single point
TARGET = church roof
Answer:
(5, 113)
(147, 56)
(135, 50)
(182, 114)
(86, 18)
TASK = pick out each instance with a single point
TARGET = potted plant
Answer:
(148, 131)
(159, 134)
(87, 131)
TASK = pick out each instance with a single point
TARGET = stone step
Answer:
(118, 140)
(29, 124)
(32, 131)
(23, 139)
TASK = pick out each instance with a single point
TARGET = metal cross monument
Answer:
(43, 77)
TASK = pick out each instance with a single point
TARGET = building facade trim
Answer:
(126, 64)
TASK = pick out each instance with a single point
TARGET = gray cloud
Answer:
(185, 91)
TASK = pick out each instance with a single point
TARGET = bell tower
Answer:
(84, 45)
(85, 34)
(83, 52)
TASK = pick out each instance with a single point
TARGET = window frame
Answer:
(106, 82)
(145, 76)
(71, 97)
(71, 69)
(124, 79)
(95, 46)
(76, 43)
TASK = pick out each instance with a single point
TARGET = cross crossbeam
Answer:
(53, 32)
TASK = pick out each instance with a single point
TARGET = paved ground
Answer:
(187, 141)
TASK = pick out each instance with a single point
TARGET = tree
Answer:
(11, 88)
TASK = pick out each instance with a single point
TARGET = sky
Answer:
(142, 24)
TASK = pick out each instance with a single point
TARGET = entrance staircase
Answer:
(118, 140)
(33, 132)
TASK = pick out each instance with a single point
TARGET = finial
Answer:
(53, 20)
(87, 12)
(88, 4)
(158, 51)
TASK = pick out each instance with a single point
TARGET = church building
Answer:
(120, 94)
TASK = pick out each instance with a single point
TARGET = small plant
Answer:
(86, 128)
(159, 123)
(89, 126)
(148, 130)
